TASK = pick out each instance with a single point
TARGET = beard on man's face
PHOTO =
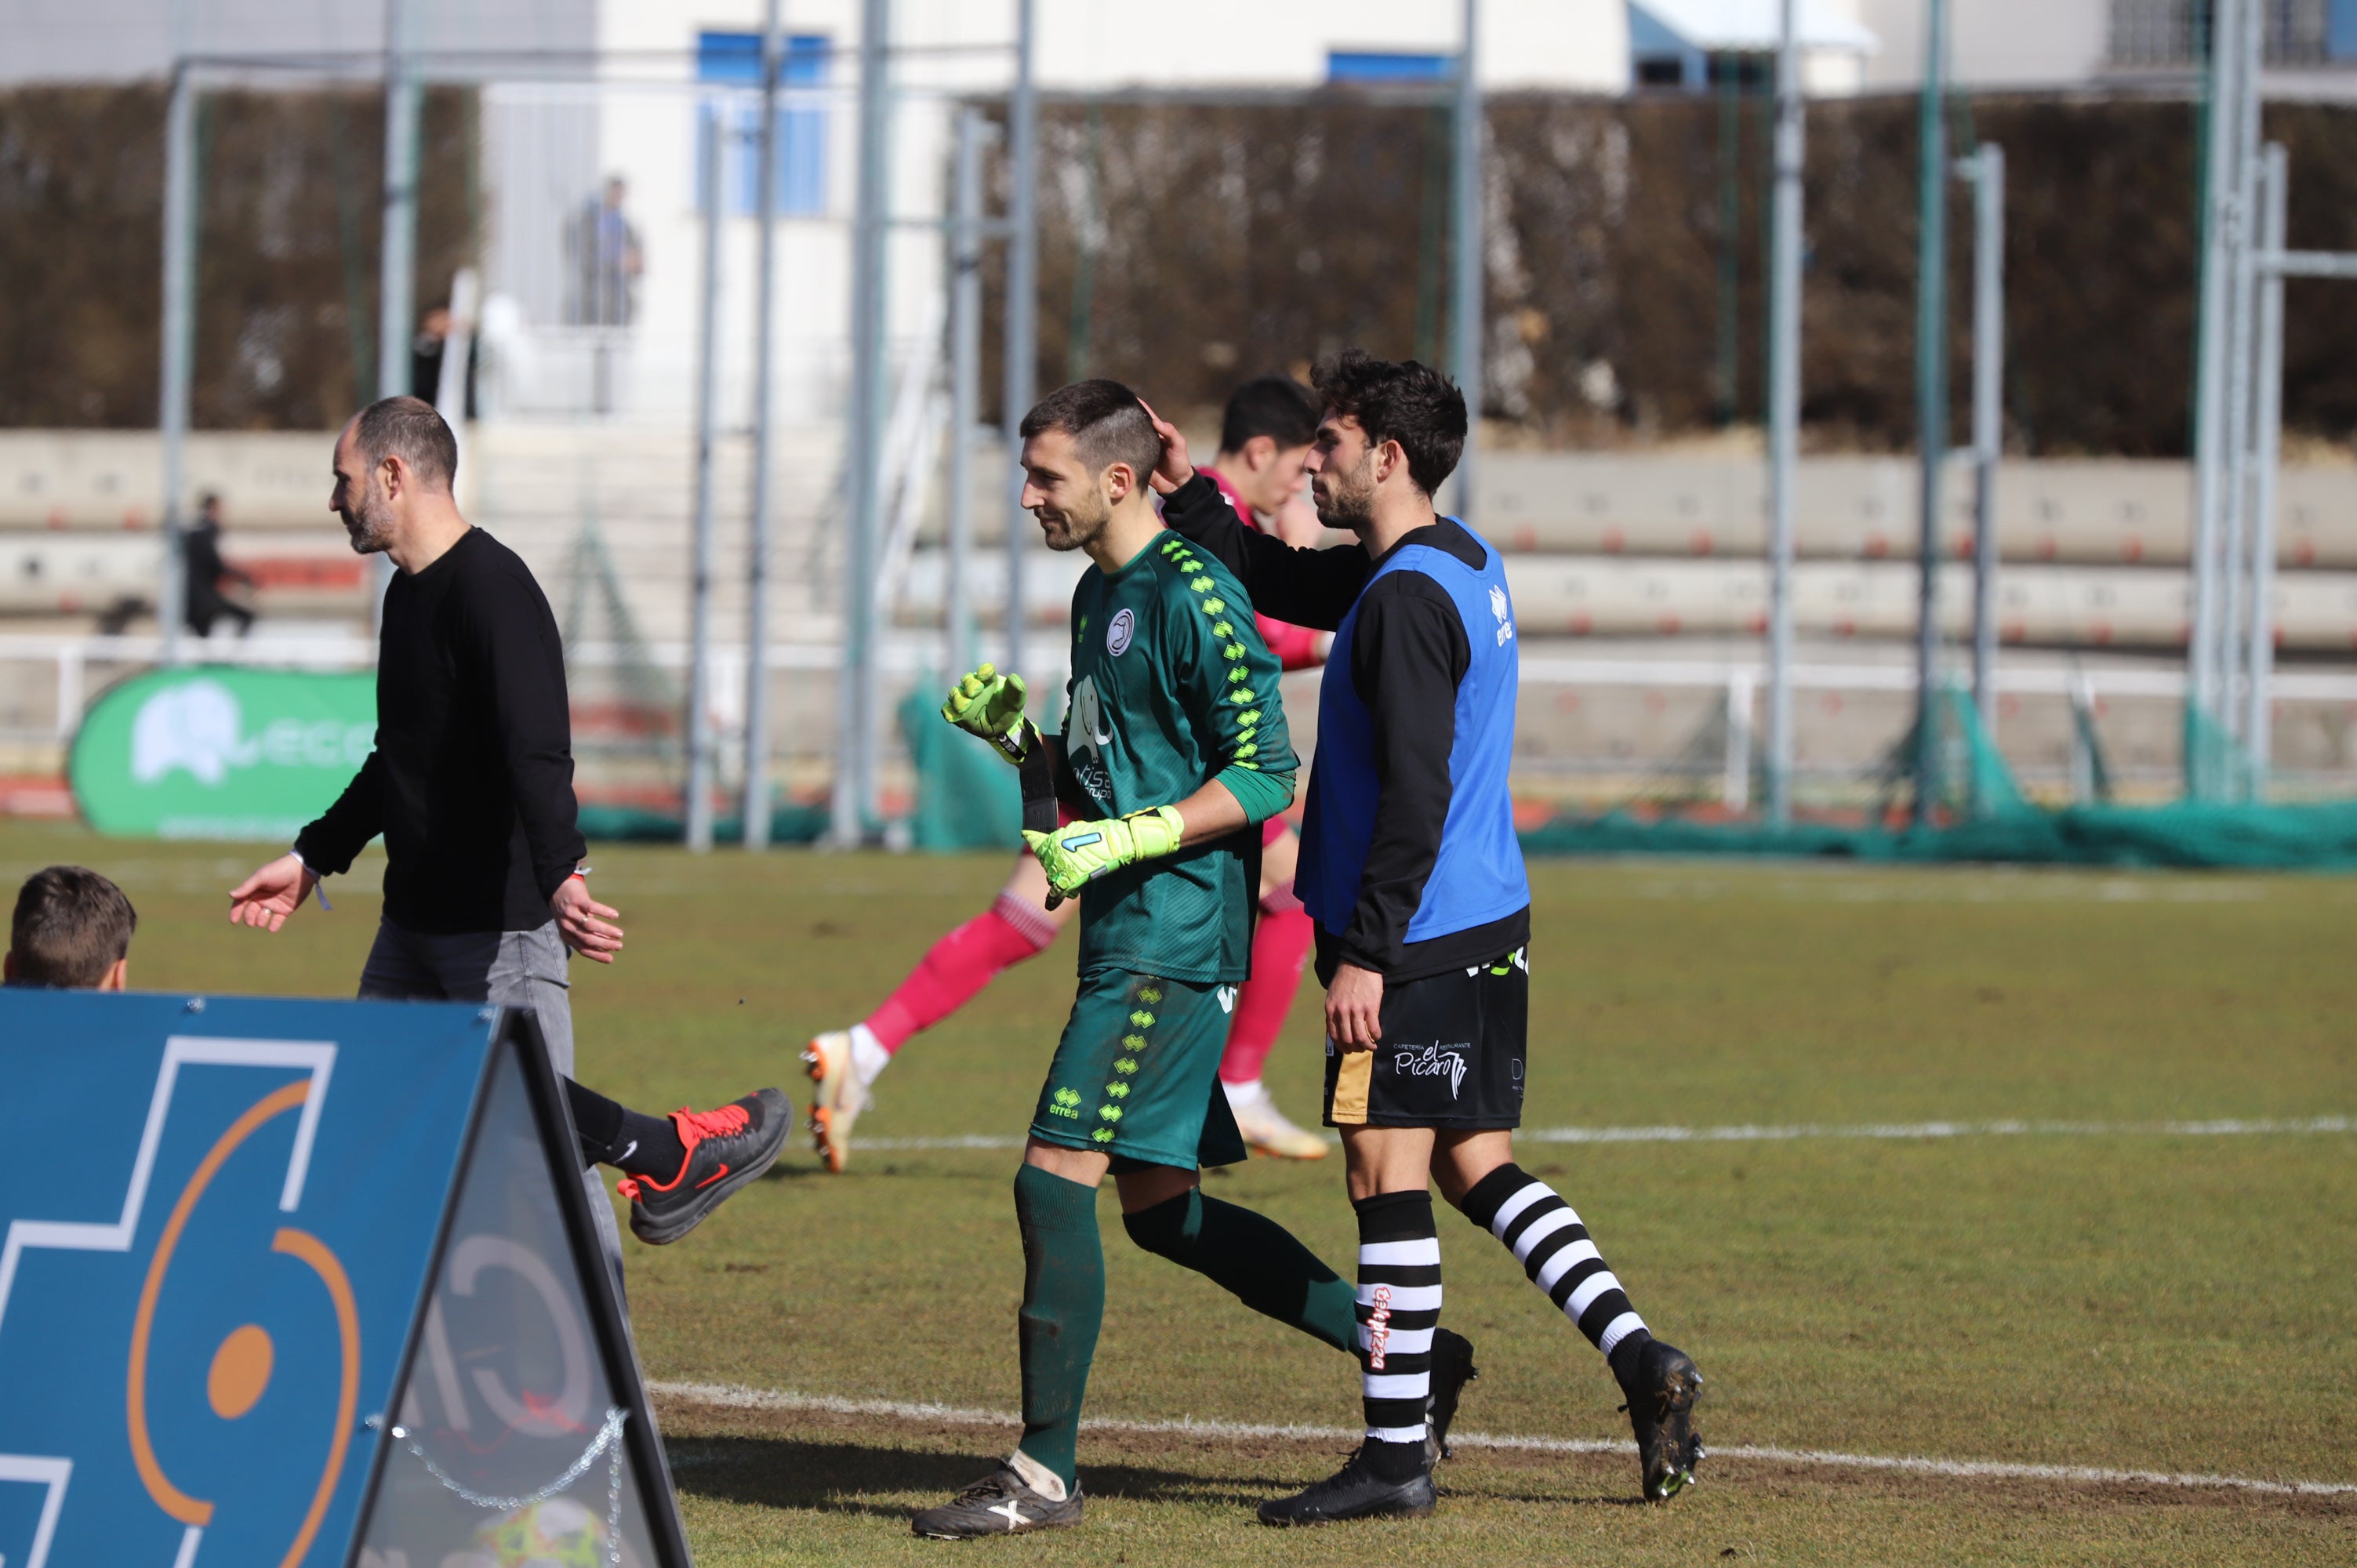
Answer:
(1345, 499)
(1074, 527)
(370, 527)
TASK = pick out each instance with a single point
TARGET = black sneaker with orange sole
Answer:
(726, 1149)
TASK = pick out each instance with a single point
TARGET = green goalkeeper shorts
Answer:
(1136, 1075)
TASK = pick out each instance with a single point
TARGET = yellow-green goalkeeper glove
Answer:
(1076, 855)
(989, 704)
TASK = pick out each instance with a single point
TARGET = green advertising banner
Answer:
(220, 752)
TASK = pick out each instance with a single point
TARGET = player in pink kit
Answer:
(1264, 438)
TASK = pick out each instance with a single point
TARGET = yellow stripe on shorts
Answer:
(1350, 1083)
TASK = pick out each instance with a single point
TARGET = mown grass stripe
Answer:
(736, 1396)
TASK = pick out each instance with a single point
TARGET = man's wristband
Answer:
(319, 883)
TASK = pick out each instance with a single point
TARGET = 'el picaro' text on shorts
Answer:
(1452, 1052)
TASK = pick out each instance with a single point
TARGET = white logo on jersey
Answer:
(1087, 726)
(1118, 632)
(1499, 607)
(1085, 739)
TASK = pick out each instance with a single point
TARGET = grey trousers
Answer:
(513, 968)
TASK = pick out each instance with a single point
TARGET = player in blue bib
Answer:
(1412, 873)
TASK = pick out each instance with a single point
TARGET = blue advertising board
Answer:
(304, 1283)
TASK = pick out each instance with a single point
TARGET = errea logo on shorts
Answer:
(1118, 631)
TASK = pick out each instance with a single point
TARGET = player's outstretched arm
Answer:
(265, 899)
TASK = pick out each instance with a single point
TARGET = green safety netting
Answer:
(1981, 815)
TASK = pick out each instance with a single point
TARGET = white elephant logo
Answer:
(196, 726)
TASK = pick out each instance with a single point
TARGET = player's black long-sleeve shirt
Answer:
(1409, 654)
(471, 781)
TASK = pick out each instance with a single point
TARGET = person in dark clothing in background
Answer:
(1411, 869)
(205, 570)
(471, 785)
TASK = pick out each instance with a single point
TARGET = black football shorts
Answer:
(1451, 1053)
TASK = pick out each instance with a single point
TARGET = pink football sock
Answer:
(1280, 948)
(959, 964)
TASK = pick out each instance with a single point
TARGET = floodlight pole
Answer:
(854, 801)
(700, 768)
(1930, 395)
(397, 254)
(1783, 407)
(965, 386)
(179, 327)
(1466, 261)
(2258, 725)
(1985, 170)
(1020, 362)
(755, 810)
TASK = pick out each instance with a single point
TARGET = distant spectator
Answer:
(200, 553)
(426, 356)
(607, 261)
(71, 931)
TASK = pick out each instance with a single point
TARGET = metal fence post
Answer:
(965, 388)
(1783, 407)
(2258, 727)
(2211, 434)
(756, 806)
(854, 795)
(1986, 168)
(179, 328)
(700, 768)
(1021, 355)
(396, 307)
(1465, 324)
(1930, 395)
(1736, 790)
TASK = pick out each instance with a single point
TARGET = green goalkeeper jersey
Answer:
(1172, 687)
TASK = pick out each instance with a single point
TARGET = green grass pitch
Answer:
(2127, 1300)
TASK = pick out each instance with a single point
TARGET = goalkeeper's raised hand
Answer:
(1075, 856)
(989, 704)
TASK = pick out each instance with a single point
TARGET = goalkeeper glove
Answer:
(989, 704)
(1076, 855)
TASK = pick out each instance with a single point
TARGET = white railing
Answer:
(1741, 681)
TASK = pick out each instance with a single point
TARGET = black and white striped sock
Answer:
(1546, 1238)
(1399, 1305)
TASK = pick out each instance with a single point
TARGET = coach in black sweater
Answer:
(471, 785)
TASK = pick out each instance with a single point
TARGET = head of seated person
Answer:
(71, 931)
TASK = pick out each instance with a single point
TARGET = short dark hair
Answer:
(1276, 406)
(1402, 400)
(71, 926)
(1105, 421)
(411, 429)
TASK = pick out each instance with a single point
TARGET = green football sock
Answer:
(1253, 1258)
(1063, 1306)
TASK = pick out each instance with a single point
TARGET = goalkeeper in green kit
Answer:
(1173, 750)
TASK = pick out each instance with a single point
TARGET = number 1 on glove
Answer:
(1077, 855)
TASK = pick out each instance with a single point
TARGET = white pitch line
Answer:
(736, 1396)
(1749, 1133)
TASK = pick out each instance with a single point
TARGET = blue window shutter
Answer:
(734, 60)
(1375, 65)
